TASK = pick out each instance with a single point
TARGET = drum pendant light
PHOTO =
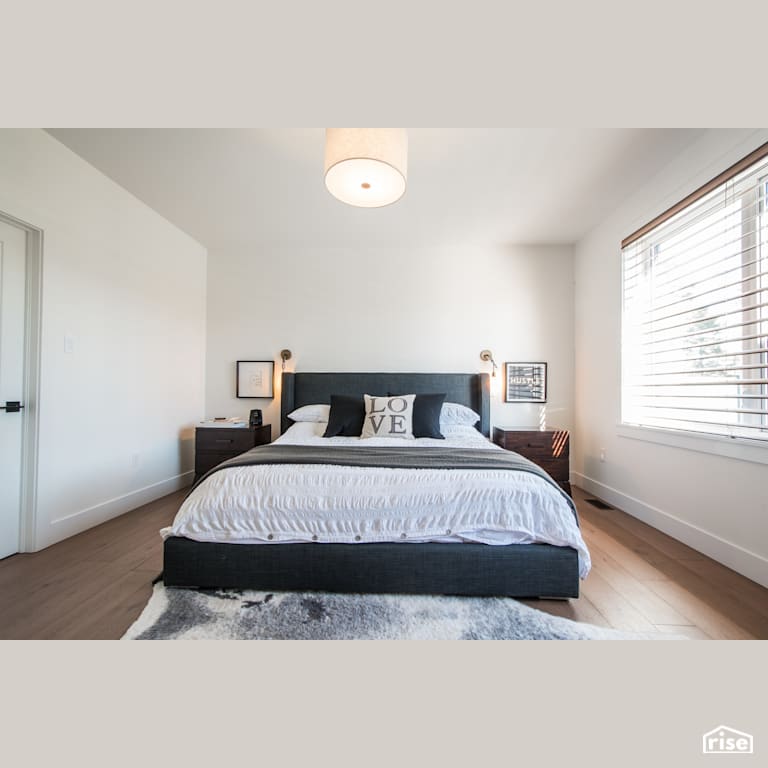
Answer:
(366, 167)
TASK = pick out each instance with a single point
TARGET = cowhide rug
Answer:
(191, 614)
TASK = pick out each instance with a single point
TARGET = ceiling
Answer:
(255, 186)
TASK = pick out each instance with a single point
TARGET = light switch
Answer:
(69, 344)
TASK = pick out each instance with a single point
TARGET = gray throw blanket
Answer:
(395, 458)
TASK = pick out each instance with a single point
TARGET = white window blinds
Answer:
(695, 311)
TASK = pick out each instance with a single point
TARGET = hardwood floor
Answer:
(644, 580)
(91, 586)
(94, 585)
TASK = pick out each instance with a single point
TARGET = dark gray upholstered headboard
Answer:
(470, 389)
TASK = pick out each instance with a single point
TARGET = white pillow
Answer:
(455, 413)
(388, 416)
(301, 431)
(315, 413)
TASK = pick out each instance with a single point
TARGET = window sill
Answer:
(732, 448)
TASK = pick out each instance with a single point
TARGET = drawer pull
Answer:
(228, 442)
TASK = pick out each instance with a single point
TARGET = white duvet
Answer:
(273, 504)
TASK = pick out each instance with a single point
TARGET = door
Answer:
(13, 246)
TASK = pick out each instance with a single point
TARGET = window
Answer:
(695, 311)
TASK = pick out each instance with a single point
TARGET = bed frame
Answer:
(514, 570)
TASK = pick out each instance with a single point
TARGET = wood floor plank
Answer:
(708, 619)
(60, 594)
(666, 544)
(27, 593)
(607, 526)
(149, 558)
(692, 633)
(103, 615)
(643, 599)
(614, 606)
(720, 599)
(576, 610)
(748, 591)
(631, 560)
(130, 555)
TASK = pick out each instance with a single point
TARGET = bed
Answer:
(318, 555)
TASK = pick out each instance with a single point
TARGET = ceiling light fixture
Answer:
(366, 167)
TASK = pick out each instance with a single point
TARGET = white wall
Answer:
(116, 415)
(392, 309)
(715, 504)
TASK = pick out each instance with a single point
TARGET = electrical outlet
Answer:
(69, 344)
(602, 454)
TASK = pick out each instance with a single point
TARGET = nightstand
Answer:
(548, 448)
(216, 444)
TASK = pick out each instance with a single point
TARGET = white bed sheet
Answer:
(273, 504)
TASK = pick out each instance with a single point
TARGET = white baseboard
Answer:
(81, 521)
(741, 560)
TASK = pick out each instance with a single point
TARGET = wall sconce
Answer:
(285, 354)
(487, 357)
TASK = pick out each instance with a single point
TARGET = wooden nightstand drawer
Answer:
(222, 439)
(216, 444)
(208, 460)
(548, 448)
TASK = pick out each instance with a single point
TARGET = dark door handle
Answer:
(11, 406)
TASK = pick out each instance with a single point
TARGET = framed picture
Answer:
(255, 378)
(525, 382)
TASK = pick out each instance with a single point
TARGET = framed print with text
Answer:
(255, 378)
(525, 382)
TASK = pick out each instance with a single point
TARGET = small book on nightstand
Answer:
(229, 423)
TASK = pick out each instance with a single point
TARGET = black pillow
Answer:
(346, 416)
(426, 415)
